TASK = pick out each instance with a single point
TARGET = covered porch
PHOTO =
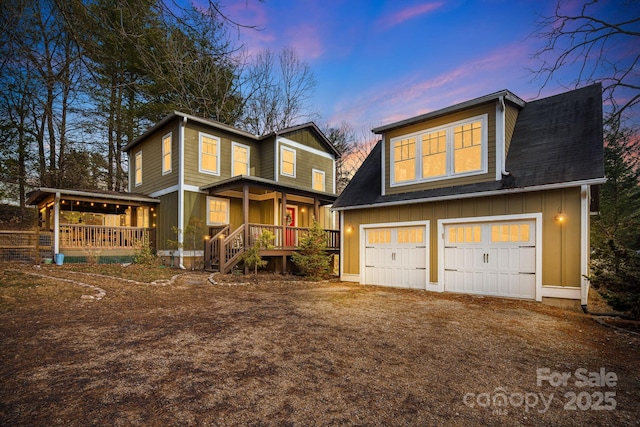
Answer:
(263, 205)
(108, 226)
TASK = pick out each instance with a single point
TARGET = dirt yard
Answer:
(83, 349)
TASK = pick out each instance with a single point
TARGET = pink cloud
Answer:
(306, 40)
(409, 13)
(416, 94)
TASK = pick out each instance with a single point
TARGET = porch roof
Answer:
(40, 194)
(266, 184)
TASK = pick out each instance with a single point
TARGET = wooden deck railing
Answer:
(74, 236)
(222, 251)
(292, 236)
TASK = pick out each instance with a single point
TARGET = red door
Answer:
(291, 222)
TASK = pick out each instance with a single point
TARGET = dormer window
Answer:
(449, 151)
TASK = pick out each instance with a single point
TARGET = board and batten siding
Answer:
(489, 109)
(192, 174)
(306, 137)
(152, 177)
(560, 243)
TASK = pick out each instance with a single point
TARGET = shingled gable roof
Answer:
(557, 141)
(221, 126)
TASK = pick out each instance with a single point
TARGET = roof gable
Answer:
(556, 141)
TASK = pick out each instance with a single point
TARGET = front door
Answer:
(292, 221)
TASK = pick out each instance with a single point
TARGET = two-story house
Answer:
(192, 179)
(237, 184)
(489, 197)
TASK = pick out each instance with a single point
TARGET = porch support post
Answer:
(283, 218)
(284, 230)
(56, 224)
(316, 209)
(245, 219)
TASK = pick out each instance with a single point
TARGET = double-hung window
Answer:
(166, 154)
(138, 168)
(317, 180)
(217, 211)
(240, 160)
(287, 161)
(209, 154)
(448, 151)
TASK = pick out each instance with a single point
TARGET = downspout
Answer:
(503, 157)
(181, 194)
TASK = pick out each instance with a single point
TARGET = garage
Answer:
(396, 256)
(491, 258)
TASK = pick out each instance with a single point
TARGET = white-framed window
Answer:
(209, 154)
(287, 161)
(138, 168)
(449, 151)
(217, 211)
(166, 154)
(240, 156)
(317, 180)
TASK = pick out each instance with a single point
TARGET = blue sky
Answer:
(378, 61)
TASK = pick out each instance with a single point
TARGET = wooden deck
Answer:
(223, 250)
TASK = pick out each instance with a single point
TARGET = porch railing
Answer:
(291, 237)
(74, 236)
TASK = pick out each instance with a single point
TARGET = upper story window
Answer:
(317, 180)
(456, 149)
(166, 154)
(240, 159)
(138, 168)
(209, 154)
(287, 161)
(217, 211)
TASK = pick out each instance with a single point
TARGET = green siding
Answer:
(193, 176)
(560, 243)
(306, 137)
(166, 219)
(267, 159)
(152, 178)
(305, 162)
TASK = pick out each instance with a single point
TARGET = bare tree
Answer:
(277, 92)
(605, 45)
(343, 139)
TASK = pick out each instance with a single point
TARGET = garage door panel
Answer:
(493, 260)
(396, 256)
(527, 258)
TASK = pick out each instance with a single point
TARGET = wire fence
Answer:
(26, 246)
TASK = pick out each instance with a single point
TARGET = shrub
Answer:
(312, 258)
(144, 253)
(251, 256)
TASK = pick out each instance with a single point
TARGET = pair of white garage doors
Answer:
(495, 258)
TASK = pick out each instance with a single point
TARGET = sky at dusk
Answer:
(377, 61)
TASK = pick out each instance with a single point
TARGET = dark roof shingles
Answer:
(556, 139)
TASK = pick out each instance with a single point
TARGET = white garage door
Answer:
(396, 256)
(497, 258)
